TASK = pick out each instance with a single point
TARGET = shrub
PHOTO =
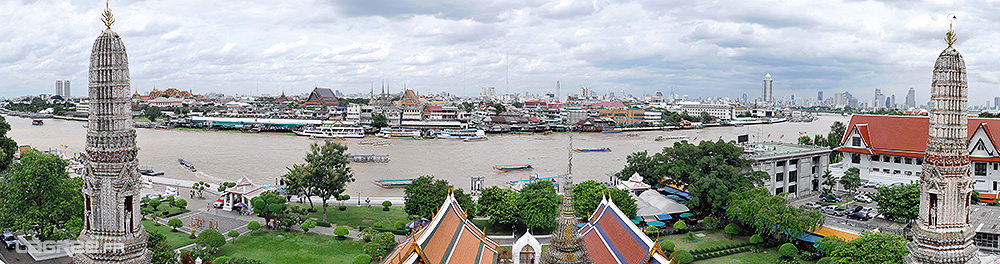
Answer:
(169, 199)
(307, 224)
(221, 260)
(683, 257)
(155, 204)
(788, 250)
(192, 236)
(680, 225)
(253, 226)
(165, 213)
(378, 225)
(312, 210)
(341, 232)
(650, 230)
(343, 208)
(368, 234)
(362, 259)
(211, 238)
(733, 229)
(181, 203)
(756, 239)
(323, 224)
(399, 225)
(826, 260)
(233, 234)
(386, 205)
(667, 245)
(174, 223)
(808, 256)
(710, 222)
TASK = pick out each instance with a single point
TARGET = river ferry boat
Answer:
(398, 133)
(662, 138)
(514, 167)
(476, 138)
(631, 135)
(332, 132)
(368, 158)
(616, 131)
(150, 172)
(187, 165)
(461, 133)
(37, 122)
(522, 133)
(393, 184)
(517, 185)
(592, 149)
(374, 142)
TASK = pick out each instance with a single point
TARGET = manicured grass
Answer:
(293, 248)
(716, 237)
(175, 239)
(770, 255)
(164, 206)
(357, 216)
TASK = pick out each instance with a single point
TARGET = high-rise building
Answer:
(819, 96)
(996, 102)
(66, 92)
(942, 233)
(59, 88)
(111, 181)
(768, 96)
(911, 100)
(892, 102)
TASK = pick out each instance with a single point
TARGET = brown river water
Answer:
(225, 155)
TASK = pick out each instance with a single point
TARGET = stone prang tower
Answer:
(942, 233)
(112, 232)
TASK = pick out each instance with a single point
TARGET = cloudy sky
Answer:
(699, 48)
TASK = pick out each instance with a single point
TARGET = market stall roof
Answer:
(651, 203)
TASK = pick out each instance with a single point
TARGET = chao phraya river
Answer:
(225, 156)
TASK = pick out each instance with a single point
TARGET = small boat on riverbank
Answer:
(37, 122)
(662, 138)
(393, 184)
(187, 165)
(592, 149)
(514, 167)
(476, 138)
(517, 185)
(150, 172)
(368, 158)
(460, 133)
(616, 131)
(374, 142)
(522, 133)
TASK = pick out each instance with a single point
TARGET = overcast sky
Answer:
(699, 48)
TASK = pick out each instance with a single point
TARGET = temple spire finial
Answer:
(108, 18)
(950, 37)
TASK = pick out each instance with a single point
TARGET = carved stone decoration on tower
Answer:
(942, 233)
(111, 232)
(566, 245)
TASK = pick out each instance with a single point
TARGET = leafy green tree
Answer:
(624, 201)
(683, 257)
(827, 245)
(756, 239)
(709, 170)
(362, 259)
(4, 127)
(342, 198)
(37, 196)
(881, 248)
(175, 223)
(380, 245)
(295, 183)
(385, 205)
(538, 205)
(667, 245)
(761, 210)
(680, 225)
(838, 129)
(426, 194)
(379, 121)
(211, 238)
(340, 231)
(268, 206)
(804, 140)
(162, 252)
(851, 179)
(154, 204)
(233, 234)
(499, 204)
(368, 234)
(900, 203)
(180, 203)
(326, 171)
(7, 149)
(307, 224)
(788, 251)
(975, 197)
(200, 187)
(227, 185)
(829, 181)
(732, 230)
(586, 197)
(253, 226)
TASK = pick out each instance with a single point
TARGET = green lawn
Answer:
(716, 237)
(293, 248)
(175, 239)
(357, 216)
(770, 255)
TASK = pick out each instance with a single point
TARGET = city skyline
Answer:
(638, 47)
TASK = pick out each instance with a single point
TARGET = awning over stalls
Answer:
(675, 191)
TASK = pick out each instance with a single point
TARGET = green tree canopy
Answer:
(362, 259)
(4, 127)
(211, 238)
(268, 205)
(175, 223)
(7, 149)
(380, 245)
(499, 204)
(761, 210)
(829, 181)
(326, 171)
(538, 204)
(709, 170)
(426, 194)
(379, 121)
(253, 226)
(163, 253)
(788, 251)
(851, 179)
(38, 196)
(872, 248)
(295, 183)
(899, 203)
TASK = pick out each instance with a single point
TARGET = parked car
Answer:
(859, 216)
(832, 199)
(218, 203)
(864, 198)
(854, 209)
(812, 205)
(833, 210)
(870, 184)
(9, 240)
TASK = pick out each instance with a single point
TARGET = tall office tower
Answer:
(768, 96)
(111, 181)
(942, 233)
(996, 102)
(819, 96)
(911, 100)
(59, 87)
(892, 101)
(66, 92)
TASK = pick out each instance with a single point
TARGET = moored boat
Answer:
(631, 135)
(662, 138)
(368, 158)
(460, 133)
(315, 137)
(332, 132)
(592, 149)
(393, 184)
(187, 165)
(374, 142)
(476, 138)
(398, 133)
(37, 122)
(615, 131)
(513, 167)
